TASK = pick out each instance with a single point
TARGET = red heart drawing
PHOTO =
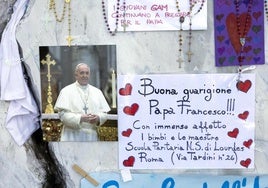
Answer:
(245, 163)
(127, 133)
(256, 15)
(131, 110)
(244, 86)
(231, 23)
(247, 49)
(248, 143)
(127, 90)
(244, 115)
(234, 133)
(129, 162)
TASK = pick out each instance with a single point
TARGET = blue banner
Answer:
(114, 180)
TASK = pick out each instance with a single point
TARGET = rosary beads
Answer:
(52, 5)
(106, 18)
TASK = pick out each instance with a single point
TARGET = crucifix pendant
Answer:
(69, 40)
(125, 27)
(85, 109)
(189, 53)
(180, 61)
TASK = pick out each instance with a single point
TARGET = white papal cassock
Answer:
(71, 104)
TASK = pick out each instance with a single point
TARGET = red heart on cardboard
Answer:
(248, 143)
(127, 133)
(131, 110)
(245, 163)
(244, 86)
(231, 24)
(129, 162)
(244, 115)
(127, 90)
(234, 133)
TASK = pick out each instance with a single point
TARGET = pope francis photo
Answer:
(81, 107)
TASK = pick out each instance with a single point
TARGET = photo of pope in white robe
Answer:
(81, 107)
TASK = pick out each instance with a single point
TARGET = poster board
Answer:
(157, 15)
(228, 46)
(193, 121)
(112, 179)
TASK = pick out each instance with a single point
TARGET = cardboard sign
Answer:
(114, 180)
(186, 121)
(140, 15)
(229, 35)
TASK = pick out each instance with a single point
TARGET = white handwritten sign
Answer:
(186, 121)
(140, 15)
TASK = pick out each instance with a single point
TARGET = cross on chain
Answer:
(124, 26)
(85, 109)
(180, 60)
(189, 53)
(69, 40)
(48, 62)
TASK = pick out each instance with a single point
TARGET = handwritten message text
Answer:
(186, 121)
(138, 15)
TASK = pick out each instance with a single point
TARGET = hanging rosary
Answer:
(181, 20)
(242, 34)
(106, 18)
(190, 53)
(124, 25)
(52, 6)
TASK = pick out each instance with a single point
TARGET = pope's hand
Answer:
(90, 118)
